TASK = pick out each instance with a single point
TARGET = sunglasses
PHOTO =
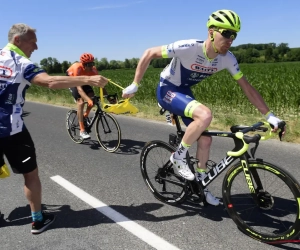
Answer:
(227, 33)
(89, 64)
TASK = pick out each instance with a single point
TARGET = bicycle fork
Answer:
(258, 194)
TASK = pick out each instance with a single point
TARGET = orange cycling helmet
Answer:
(86, 58)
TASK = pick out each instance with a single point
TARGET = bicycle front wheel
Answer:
(72, 126)
(159, 175)
(274, 216)
(108, 132)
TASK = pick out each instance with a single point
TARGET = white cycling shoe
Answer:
(84, 135)
(212, 200)
(182, 168)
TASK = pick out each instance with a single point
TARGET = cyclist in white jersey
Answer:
(17, 73)
(194, 60)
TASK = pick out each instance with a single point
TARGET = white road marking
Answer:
(134, 228)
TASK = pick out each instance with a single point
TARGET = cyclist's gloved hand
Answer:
(90, 103)
(130, 90)
(272, 119)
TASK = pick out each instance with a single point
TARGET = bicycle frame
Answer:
(98, 111)
(240, 152)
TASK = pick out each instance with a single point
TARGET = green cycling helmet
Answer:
(226, 19)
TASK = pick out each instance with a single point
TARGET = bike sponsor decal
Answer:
(215, 171)
(248, 177)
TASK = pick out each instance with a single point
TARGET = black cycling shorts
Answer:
(20, 152)
(86, 88)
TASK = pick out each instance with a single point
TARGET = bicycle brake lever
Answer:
(281, 126)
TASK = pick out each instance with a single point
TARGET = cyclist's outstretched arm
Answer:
(145, 60)
(148, 55)
(61, 82)
(253, 95)
(256, 99)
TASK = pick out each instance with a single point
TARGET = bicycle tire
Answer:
(165, 171)
(108, 124)
(266, 209)
(72, 126)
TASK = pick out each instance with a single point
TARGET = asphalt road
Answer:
(102, 202)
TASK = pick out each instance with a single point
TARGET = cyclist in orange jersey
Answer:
(85, 93)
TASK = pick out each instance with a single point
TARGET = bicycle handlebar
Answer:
(246, 139)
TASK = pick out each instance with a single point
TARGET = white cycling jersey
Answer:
(16, 72)
(191, 65)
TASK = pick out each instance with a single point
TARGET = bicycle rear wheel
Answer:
(275, 217)
(73, 128)
(108, 132)
(159, 175)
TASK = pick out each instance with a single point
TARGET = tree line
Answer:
(245, 53)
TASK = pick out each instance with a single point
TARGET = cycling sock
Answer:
(87, 112)
(181, 150)
(200, 170)
(37, 216)
(81, 125)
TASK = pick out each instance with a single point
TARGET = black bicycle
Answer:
(262, 198)
(107, 128)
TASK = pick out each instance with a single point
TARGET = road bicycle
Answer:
(107, 128)
(262, 199)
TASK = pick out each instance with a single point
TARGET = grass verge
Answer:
(221, 121)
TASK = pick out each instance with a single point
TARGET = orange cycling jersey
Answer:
(77, 70)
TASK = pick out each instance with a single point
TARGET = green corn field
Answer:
(278, 83)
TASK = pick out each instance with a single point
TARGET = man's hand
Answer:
(272, 119)
(98, 81)
(130, 90)
(90, 103)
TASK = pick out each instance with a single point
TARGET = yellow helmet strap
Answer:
(212, 39)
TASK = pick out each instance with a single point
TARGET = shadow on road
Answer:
(127, 146)
(25, 113)
(69, 218)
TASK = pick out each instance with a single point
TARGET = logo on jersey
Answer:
(9, 99)
(185, 45)
(169, 97)
(5, 72)
(202, 69)
(195, 75)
